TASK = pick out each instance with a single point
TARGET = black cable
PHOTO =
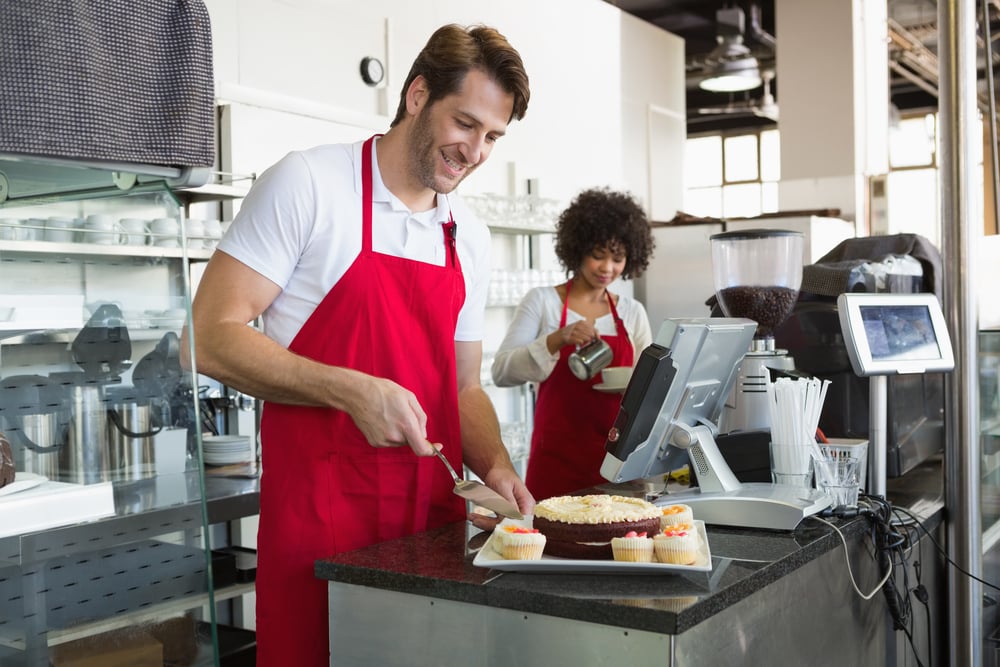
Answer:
(892, 547)
(944, 553)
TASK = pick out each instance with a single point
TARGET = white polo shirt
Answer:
(300, 227)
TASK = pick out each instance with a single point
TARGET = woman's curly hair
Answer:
(604, 218)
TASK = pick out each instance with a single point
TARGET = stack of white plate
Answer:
(221, 450)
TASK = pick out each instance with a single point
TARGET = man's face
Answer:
(456, 134)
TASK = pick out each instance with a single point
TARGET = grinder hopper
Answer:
(757, 275)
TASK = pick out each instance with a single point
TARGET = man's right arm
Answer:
(231, 294)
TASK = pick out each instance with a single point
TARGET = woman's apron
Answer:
(572, 420)
(325, 489)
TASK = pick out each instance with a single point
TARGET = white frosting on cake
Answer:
(595, 509)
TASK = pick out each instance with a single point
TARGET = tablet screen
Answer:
(900, 332)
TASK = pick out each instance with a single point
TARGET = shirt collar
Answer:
(382, 195)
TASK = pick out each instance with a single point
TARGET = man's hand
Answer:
(389, 415)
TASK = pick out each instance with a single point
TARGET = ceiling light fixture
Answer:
(730, 67)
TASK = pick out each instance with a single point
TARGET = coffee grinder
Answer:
(757, 274)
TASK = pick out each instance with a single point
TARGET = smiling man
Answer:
(371, 282)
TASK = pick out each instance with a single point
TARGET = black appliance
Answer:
(915, 427)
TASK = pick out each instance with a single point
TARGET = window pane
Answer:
(741, 158)
(703, 162)
(741, 201)
(770, 155)
(769, 198)
(912, 201)
(912, 143)
(704, 202)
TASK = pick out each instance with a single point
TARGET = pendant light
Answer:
(730, 67)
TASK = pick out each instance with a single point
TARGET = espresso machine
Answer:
(757, 275)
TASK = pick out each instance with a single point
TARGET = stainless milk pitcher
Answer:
(590, 359)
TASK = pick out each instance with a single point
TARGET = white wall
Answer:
(595, 73)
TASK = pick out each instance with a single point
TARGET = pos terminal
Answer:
(889, 334)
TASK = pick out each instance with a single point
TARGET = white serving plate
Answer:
(22, 482)
(490, 557)
(605, 388)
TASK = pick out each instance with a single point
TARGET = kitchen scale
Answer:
(757, 274)
(669, 413)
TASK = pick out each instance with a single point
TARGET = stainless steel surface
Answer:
(961, 216)
(589, 360)
(878, 415)
(131, 457)
(45, 431)
(809, 616)
(84, 457)
(435, 632)
(480, 494)
(813, 617)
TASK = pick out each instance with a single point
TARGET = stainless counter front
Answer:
(774, 597)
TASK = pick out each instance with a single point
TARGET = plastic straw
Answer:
(795, 406)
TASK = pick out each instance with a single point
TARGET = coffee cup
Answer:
(9, 228)
(616, 376)
(133, 231)
(213, 232)
(194, 233)
(32, 229)
(60, 229)
(164, 233)
(101, 229)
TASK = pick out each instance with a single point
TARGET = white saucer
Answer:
(22, 482)
(609, 388)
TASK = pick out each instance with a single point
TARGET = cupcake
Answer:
(520, 543)
(677, 545)
(675, 514)
(633, 548)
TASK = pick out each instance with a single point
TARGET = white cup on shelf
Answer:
(101, 229)
(164, 233)
(9, 228)
(213, 232)
(32, 229)
(133, 231)
(194, 233)
(59, 229)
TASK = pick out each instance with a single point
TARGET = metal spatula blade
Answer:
(481, 494)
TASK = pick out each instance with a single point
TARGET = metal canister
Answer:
(130, 440)
(84, 458)
(590, 359)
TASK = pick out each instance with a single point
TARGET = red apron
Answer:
(325, 489)
(572, 420)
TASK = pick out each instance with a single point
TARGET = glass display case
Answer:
(107, 529)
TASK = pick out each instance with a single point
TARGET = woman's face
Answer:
(603, 265)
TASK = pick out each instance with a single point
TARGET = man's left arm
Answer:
(482, 447)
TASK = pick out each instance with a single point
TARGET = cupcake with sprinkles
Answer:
(675, 514)
(520, 543)
(632, 548)
(677, 545)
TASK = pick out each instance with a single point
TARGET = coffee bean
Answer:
(767, 306)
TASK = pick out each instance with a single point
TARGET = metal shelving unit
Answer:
(150, 561)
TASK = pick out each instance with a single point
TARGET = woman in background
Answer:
(603, 235)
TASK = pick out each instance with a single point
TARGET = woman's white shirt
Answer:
(524, 355)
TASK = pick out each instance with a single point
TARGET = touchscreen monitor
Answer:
(889, 334)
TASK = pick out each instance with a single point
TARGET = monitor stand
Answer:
(721, 499)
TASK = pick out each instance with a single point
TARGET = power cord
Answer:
(944, 554)
(891, 550)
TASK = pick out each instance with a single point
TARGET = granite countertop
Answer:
(438, 564)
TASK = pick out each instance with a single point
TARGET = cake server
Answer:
(480, 494)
